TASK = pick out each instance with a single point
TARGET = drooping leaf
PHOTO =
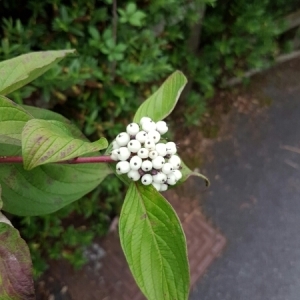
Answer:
(46, 188)
(16, 281)
(18, 71)
(12, 120)
(46, 141)
(154, 244)
(187, 172)
(159, 105)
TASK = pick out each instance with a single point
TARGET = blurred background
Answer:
(224, 117)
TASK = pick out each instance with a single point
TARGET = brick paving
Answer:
(109, 278)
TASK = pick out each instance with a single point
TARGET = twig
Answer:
(77, 160)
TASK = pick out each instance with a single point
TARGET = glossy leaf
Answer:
(154, 244)
(18, 71)
(12, 120)
(46, 188)
(159, 105)
(15, 266)
(46, 141)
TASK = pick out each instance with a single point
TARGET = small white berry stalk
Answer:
(143, 156)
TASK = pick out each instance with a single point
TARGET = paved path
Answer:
(255, 199)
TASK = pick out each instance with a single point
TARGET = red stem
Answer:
(77, 160)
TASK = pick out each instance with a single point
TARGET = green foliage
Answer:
(1, 202)
(159, 105)
(154, 244)
(12, 120)
(46, 188)
(131, 15)
(45, 141)
(86, 218)
(38, 187)
(122, 61)
(19, 71)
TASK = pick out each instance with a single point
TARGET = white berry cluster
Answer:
(142, 157)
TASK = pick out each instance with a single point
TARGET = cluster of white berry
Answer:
(142, 157)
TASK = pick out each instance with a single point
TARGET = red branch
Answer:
(77, 160)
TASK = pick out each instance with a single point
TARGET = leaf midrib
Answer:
(153, 236)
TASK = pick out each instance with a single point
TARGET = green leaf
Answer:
(18, 71)
(136, 18)
(46, 188)
(159, 105)
(45, 114)
(15, 266)
(154, 244)
(45, 141)
(12, 120)
(187, 172)
(130, 8)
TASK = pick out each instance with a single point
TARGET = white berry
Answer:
(161, 127)
(122, 139)
(146, 165)
(134, 175)
(141, 136)
(159, 178)
(177, 174)
(123, 167)
(155, 135)
(143, 153)
(146, 179)
(158, 162)
(156, 186)
(134, 146)
(167, 168)
(144, 119)
(135, 162)
(163, 187)
(175, 161)
(123, 153)
(171, 179)
(153, 154)
(114, 154)
(171, 148)
(149, 144)
(132, 128)
(148, 126)
(161, 149)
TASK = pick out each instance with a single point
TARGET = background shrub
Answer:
(125, 50)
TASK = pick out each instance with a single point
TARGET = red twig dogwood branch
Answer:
(77, 160)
